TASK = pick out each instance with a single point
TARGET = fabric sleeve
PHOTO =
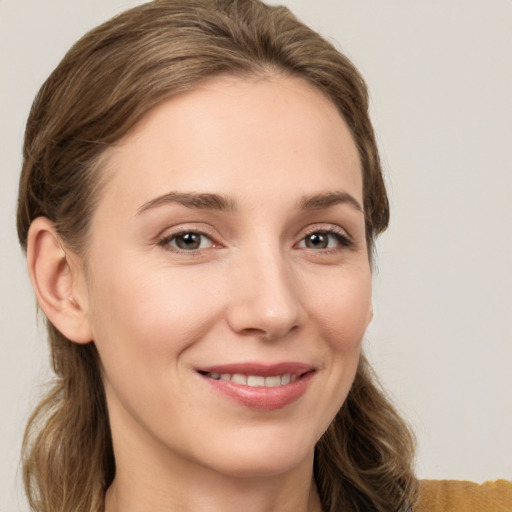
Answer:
(462, 496)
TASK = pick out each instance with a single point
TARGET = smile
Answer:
(259, 386)
(255, 380)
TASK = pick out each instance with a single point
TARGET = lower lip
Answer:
(261, 397)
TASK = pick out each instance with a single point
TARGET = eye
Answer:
(321, 240)
(187, 241)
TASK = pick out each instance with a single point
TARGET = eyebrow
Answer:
(191, 200)
(325, 200)
(224, 203)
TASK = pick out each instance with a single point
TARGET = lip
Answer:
(260, 369)
(261, 398)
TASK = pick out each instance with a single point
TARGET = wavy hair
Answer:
(104, 85)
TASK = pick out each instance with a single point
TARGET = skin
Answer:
(255, 289)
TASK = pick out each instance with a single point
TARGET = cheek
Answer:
(142, 319)
(343, 310)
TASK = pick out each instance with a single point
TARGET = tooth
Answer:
(214, 376)
(293, 378)
(285, 379)
(225, 376)
(254, 381)
(273, 381)
(239, 379)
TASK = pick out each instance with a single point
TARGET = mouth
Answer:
(262, 387)
(255, 381)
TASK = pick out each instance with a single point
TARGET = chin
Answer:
(260, 457)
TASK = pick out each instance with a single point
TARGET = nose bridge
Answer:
(266, 296)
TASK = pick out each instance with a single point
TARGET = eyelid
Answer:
(328, 228)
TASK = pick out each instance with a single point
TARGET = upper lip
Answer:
(259, 369)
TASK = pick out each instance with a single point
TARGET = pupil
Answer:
(317, 241)
(189, 241)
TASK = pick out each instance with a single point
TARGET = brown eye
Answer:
(317, 240)
(321, 240)
(188, 241)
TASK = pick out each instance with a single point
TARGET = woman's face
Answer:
(228, 280)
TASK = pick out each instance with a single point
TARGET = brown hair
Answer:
(107, 81)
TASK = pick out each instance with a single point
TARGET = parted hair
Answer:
(104, 85)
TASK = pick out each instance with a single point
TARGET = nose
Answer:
(265, 299)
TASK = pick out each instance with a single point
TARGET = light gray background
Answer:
(440, 77)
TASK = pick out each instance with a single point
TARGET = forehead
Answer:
(240, 136)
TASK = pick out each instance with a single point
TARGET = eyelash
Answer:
(343, 240)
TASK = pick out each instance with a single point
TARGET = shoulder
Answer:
(462, 496)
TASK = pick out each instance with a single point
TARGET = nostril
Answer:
(254, 330)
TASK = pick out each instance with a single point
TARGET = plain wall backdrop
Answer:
(440, 79)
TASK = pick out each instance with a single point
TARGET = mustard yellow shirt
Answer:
(462, 496)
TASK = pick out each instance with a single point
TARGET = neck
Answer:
(194, 489)
(155, 479)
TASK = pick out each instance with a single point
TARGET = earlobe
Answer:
(55, 282)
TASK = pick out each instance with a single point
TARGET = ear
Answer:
(58, 281)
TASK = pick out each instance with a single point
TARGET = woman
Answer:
(199, 199)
